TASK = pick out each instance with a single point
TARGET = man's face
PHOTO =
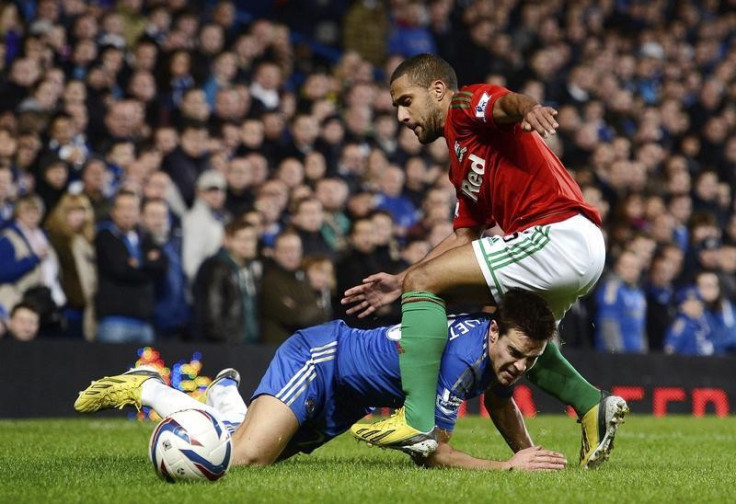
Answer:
(155, 218)
(24, 324)
(512, 354)
(194, 141)
(214, 197)
(288, 252)
(362, 238)
(310, 216)
(126, 212)
(416, 109)
(244, 244)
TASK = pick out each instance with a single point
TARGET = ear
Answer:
(494, 331)
(438, 90)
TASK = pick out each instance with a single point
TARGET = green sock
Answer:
(556, 376)
(423, 339)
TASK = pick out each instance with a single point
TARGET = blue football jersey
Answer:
(368, 366)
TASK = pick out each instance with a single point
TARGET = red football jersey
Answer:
(502, 174)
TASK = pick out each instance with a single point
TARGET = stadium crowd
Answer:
(210, 171)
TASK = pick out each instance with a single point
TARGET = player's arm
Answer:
(519, 108)
(508, 420)
(529, 459)
(459, 237)
(382, 288)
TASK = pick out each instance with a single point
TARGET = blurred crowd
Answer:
(217, 171)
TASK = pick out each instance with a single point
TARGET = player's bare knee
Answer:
(246, 456)
(418, 279)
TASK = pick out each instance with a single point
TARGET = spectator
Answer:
(24, 322)
(204, 224)
(128, 263)
(333, 193)
(53, 181)
(188, 160)
(289, 303)
(27, 258)
(359, 262)
(660, 299)
(227, 287)
(320, 272)
(71, 232)
(7, 194)
(307, 217)
(95, 186)
(690, 333)
(365, 30)
(171, 314)
(622, 306)
(719, 312)
(239, 197)
(391, 199)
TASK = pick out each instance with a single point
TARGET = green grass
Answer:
(676, 459)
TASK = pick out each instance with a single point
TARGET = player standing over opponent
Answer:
(504, 174)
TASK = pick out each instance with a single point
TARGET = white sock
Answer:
(166, 400)
(225, 398)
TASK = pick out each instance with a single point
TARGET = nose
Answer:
(520, 366)
(403, 115)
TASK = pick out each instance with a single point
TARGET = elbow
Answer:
(426, 462)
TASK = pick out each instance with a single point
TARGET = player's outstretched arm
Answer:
(530, 459)
(508, 420)
(382, 288)
(514, 107)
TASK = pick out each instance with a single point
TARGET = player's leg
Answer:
(222, 394)
(295, 385)
(423, 339)
(268, 427)
(138, 387)
(561, 262)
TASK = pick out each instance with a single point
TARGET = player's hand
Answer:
(376, 291)
(535, 458)
(540, 119)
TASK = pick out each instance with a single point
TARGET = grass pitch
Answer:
(674, 459)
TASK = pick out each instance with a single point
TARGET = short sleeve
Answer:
(447, 408)
(476, 104)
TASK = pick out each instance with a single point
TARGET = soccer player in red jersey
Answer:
(504, 174)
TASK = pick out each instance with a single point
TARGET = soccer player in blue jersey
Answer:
(324, 379)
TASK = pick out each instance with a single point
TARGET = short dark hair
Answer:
(235, 225)
(423, 69)
(526, 312)
(25, 305)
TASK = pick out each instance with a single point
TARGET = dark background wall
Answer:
(42, 378)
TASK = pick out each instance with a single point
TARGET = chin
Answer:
(428, 138)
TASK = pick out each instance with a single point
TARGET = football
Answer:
(190, 445)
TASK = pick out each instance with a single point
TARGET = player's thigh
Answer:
(455, 269)
(268, 427)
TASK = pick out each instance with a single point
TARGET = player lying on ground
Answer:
(504, 175)
(324, 379)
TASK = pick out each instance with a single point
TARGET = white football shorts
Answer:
(560, 261)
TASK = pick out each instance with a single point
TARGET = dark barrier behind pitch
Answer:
(42, 378)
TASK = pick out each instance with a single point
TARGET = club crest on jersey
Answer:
(474, 179)
(480, 109)
(460, 151)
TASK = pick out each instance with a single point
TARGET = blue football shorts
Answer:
(304, 375)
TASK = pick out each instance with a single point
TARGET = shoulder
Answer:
(473, 105)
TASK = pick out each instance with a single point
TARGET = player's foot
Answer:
(227, 373)
(395, 433)
(599, 428)
(115, 391)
